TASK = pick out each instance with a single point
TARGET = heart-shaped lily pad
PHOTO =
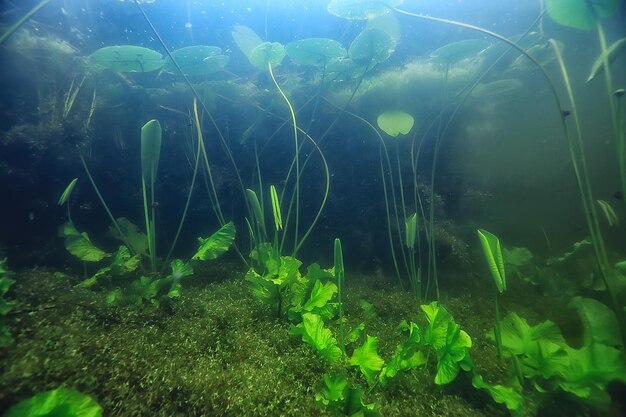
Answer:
(395, 122)
(128, 58)
(197, 60)
(361, 9)
(267, 53)
(371, 46)
(580, 14)
(315, 51)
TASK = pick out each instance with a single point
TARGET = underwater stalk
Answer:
(340, 275)
(20, 22)
(297, 159)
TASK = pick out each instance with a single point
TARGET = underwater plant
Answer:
(55, 403)
(5, 305)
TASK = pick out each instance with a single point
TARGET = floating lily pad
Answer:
(544, 54)
(361, 9)
(458, 51)
(246, 39)
(371, 46)
(498, 89)
(128, 58)
(395, 122)
(197, 60)
(267, 53)
(580, 14)
(387, 23)
(315, 51)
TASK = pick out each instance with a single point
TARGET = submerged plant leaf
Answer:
(122, 264)
(196, 60)
(361, 9)
(55, 403)
(598, 320)
(79, 244)
(150, 149)
(181, 269)
(315, 51)
(136, 239)
(128, 58)
(493, 255)
(67, 192)
(216, 244)
(609, 213)
(512, 399)
(367, 359)
(372, 46)
(451, 357)
(458, 51)
(246, 39)
(612, 52)
(313, 332)
(267, 53)
(407, 355)
(331, 389)
(395, 122)
(580, 14)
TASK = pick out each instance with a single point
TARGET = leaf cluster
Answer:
(5, 305)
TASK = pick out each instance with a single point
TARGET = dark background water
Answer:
(513, 180)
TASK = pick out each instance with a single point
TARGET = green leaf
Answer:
(79, 244)
(458, 51)
(438, 318)
(314, 51)
(180, 269)
(216, 244)
(367, 359)
(263, 289)
(246, 39)
(128, 58)
(598, 320)
(67, 192)
(313, 332)
(580, 14)
(60, 402)
(591, 369)
(361, 9)
(372, 46)
(407, 355)
(512, 399)
(278, 220)
(150, 149)
(612, 52)
(196, 60)
(394, 123)
(340, 273)
(355, 334)
(410, 225)
(331, 389)
(451, 356)
(267, 53)
(122, 264)
(320, 295)
(493, 254)
(135, 238)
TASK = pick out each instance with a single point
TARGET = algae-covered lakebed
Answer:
(218, 352)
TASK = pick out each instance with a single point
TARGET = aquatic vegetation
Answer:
(315, 51)
(57, 402)
(395, 122)
(361, 9)
(197, 60)
(609, 56)
(22, 20)
(150, 154)
(5, 305)
(128, 58)
(580, 14)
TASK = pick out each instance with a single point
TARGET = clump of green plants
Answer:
(5, 305)
(544, 363)
(56, 403)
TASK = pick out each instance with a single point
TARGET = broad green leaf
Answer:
(257, 212)
(314, 51)
(410, 229)
(612, 52)
(361, 9)
(313, 332)
(591, 369)
(136, 239)
(493, 255)
(598, 320)
(512, 399)
(128, 58)
(367, 359)
(438, 318)
(180, 269)
(150, 149)
(122, 264)
(395, 122)
(60, 402)
(79, 244)
(331, 389)
(580, 14)
(321, 294)
(387, 23)
(449, 357)
(263, 289)
(196, 60)
(267, 53)
(407, 355)
(355, 334)
(372, 46)
(458, 51)
(246, 39)
(278, 220)
(67, 192)
(216, 244)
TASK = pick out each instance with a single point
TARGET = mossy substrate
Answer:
(216, 351)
